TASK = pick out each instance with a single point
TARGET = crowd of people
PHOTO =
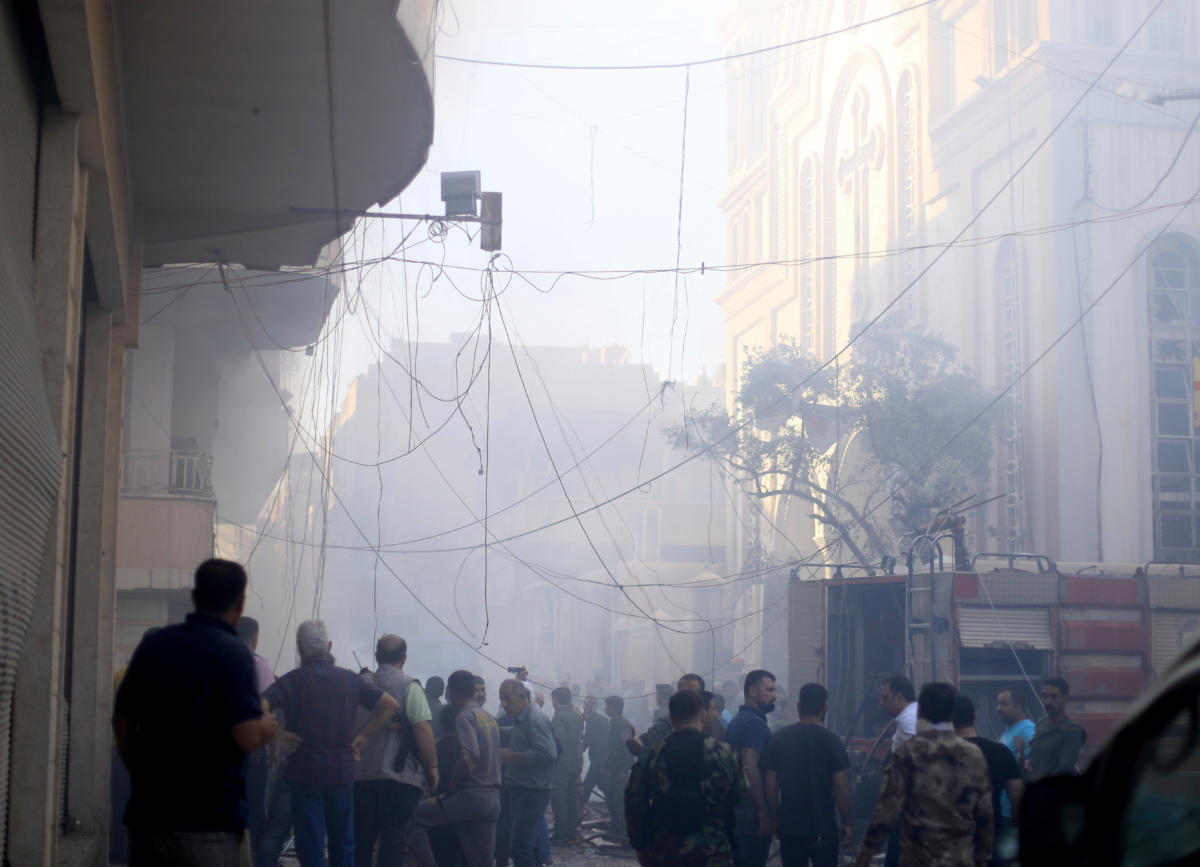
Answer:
(227, 761)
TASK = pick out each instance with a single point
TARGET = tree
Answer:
(901, 396)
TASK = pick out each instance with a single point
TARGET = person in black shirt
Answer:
(595, 741)
(186, 715)
(1003, 771)
(806, 778)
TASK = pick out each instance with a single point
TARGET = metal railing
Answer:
(178, 472)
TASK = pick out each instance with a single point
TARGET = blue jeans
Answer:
(278, 824)
(321, 811)
(528, 811)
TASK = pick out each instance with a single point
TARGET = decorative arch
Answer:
(858, 139)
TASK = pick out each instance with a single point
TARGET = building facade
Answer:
(434, 436)
(136, 136)
(979, 168)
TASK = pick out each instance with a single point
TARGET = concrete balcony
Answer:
(239, 112)
(164, 518)
(176, 473)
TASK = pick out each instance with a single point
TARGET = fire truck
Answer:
(985, 623)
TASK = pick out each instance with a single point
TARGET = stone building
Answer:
(950, 160)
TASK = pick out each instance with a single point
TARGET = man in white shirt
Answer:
(898, 700)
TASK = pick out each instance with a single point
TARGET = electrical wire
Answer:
(684, 64)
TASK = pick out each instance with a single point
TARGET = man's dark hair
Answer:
(616, 702)
(561, 696)
(479, 680)
(813, 698)
(936, 702)
(446, 719)
(461, 684)
(720, 701)
(1016, 694)
(218, 586)
(391, 655)
(435, 688)
(697, 678)
(685, 705)
(708, 698)
(754, 678)
(247, 628)
(900, 685)
(1059, 683)
(964, 712)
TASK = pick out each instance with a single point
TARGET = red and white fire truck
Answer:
(987, 623)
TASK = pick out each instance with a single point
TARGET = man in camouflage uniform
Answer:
(681, 793)
(938, 783)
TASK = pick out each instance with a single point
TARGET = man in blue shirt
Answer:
(748, 734)
(528, 763)
(186, 716)
(320, 702)
(1019, 728)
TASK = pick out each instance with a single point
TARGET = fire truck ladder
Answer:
(919, 639)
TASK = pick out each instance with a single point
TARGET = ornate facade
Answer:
(914, 161)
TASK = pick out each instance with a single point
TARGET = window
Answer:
(1014, 30)
(1166, 28)
(645, 534)
(1099, 21)
(1174, 302)
(1026, 24)
(1000, 34)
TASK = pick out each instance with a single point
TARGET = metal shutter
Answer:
(29, 455)
(1000, 627)
(1171, 632)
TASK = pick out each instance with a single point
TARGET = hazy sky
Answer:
(589, 166)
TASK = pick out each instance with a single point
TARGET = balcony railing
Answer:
(178, 472)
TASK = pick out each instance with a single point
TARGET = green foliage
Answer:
(901, 392)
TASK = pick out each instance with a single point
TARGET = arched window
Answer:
(1174, 280)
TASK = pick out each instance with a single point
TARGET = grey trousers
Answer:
(471, 813)
(189, 849)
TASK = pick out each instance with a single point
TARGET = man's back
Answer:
(568, 729)
(321, 701)
(478, 738)
(595, 736)
(938, 784)
(680, 799)
(1002, 768)
(185, 689)
(379, 755)
(805, 757)
(619, 731)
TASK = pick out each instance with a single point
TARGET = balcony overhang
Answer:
(236, 113)
(270, 309)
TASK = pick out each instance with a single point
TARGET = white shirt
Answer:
(906, 726)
